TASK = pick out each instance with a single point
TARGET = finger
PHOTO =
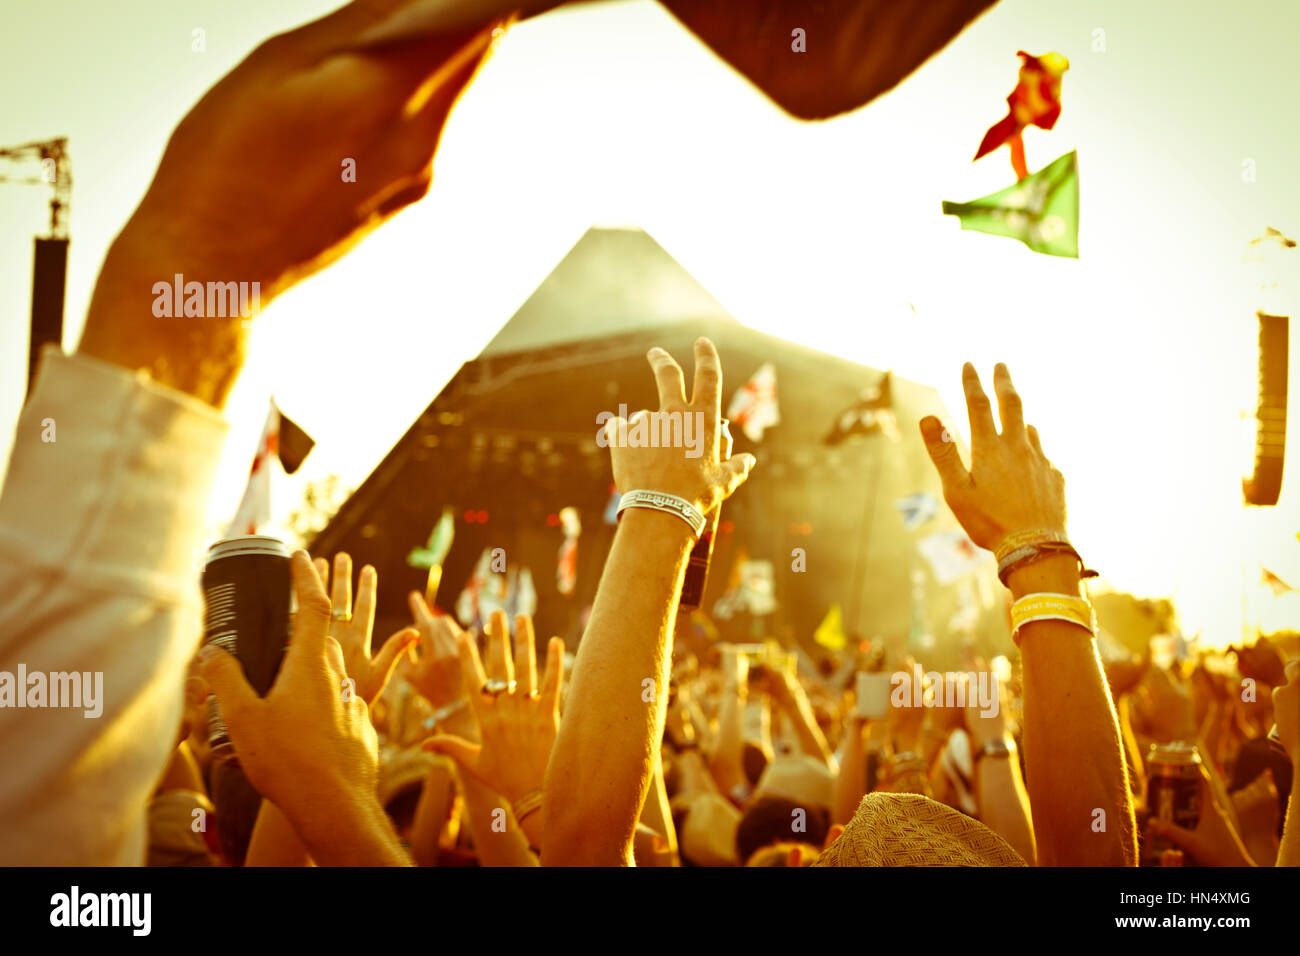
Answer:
(420, 612)
(471, 668)
(707, 393)
(526, 653)
(553, 678)
(457, 748)
(977, 405)
(389, 654)
(311, 623)
(341, 592)
(1032, 433)
(500, 665)
(235, 696)
(367, 597)
(944, 454)
(444, 635)
(322, 571)
(736, 470)
(334, 657)
(1011, 409)
(668, 376)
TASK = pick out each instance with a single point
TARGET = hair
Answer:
(770, 820)
(236, 802)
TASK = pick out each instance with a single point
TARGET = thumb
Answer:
(943, 452)
(225, 676)
(736, 469)
(388, 655)
(457, 748)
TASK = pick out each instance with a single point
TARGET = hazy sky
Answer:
(1134, 361)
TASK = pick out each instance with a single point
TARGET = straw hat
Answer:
(907, 829)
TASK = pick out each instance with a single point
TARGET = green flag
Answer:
(1042, 210)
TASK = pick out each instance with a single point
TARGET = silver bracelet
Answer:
(658, 501)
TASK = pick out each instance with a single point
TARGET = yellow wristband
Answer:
(1051, 607)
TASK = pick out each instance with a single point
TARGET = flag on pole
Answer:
(294, 444)
(917, 509)
(566, 572)
(1275, 583)
(1042, 211)
(871, 414)
(830, 632)
(432, 556)
(754, 407)
(440, 539)
(482, 592)
(522, 595)
(281, 440)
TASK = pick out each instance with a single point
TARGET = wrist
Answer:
(658, 528)
(1058, 574)
(346, 826)
(199, 355)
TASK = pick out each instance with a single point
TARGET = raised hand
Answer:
(352, 626)
(1215, 841)
(518, 719)
(693, 473)
(436, 673)
(319, 135)
(307, 746)
(1010, 486)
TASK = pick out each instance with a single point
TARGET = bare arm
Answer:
(1286, 711)
(725, 762)
(1074, 759)
(274, 841)
(851, 779)
(613, 722)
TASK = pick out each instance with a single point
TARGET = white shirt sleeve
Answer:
(101, 518)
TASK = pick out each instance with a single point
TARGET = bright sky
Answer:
(1134, 361)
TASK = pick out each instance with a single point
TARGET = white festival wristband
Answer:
(658, 501)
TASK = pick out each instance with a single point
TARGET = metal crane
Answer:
(50, 266)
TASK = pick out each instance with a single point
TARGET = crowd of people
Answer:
(443, 747)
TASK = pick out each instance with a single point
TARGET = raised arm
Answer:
(1074, 761)
(613, 720)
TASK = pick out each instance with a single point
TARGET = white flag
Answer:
(255, 507)
(754, 407)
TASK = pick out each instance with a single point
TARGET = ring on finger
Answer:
(342, 617)
(496, 687)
